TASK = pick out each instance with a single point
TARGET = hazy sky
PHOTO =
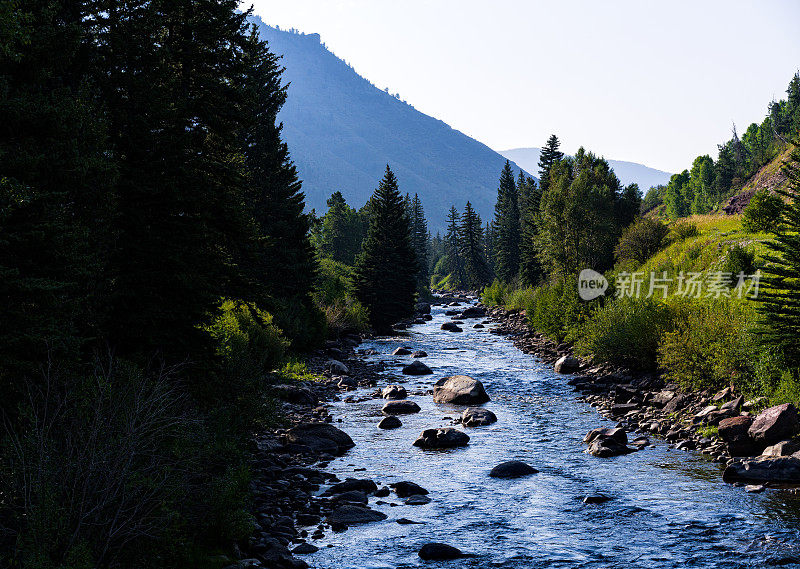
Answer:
(645, 81)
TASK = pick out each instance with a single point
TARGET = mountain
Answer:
(342, 131)
(627, 172)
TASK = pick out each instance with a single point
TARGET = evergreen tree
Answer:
(488, 245)
(384, 279)
(530, 197)
(477, 273)
(780, 294)
(420, 241)
(549, 156)
(506, 223)
(453, 261)
(276, 202)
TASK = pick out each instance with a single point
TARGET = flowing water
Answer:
(670, 508)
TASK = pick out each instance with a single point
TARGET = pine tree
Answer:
(276, 203)
(506, 224)
(454, 262)
(549, 156)
(780, 294)
(488, 245)
(341, 231)
(477, 273)
(384, 278)
(420, 240)
(531, 270)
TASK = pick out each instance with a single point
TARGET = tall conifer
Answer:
(506, 224)
(477, 273)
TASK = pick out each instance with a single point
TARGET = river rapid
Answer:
(670, 508)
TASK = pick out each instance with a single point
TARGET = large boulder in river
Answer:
(605, 443)
(784, 469)
(473, 312)
(417, 368)
(402, 407)
(390, 422)
(618, 435)
(405, 489)
(320, 437)
(440, 552)
(512, 469)
(446, 437)
(402, 351)
(351, 514)
(459, 390)
(734, 431)
(567, 364)
(451, 327)
(394, 392)
(477, 417)
(775, 424)
(352, 484)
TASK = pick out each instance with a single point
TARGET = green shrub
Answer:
(520, 298)
(495, 294)
(763, 213)
(682, 230)
(333, 281)
(557, 311)
(711, 345)
(626, 331)
(786, 389)
(346, 315)
(641, 240)
(739, 260)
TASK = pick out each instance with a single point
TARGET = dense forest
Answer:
(157, 270)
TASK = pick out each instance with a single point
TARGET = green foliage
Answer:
(557, 311)
(641, 240)
(385, 274)
(495, 294)
(530, 198)
(653, 198)
(682, 230)
(346, 316)
(476, 270)
(711, 345)
(739, 262)
(626, 331)
(583, 213)
(549, 156)
(763, 213)
(342, 231)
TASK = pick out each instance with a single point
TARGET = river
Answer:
(670, 508)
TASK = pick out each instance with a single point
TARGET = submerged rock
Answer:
(459, 390)
(477, 417)
(420, 354)
(512, 469)
(417, 368)
(405, 489)
(401, 351)
(439, 552)
(451, 327)
(402, 407)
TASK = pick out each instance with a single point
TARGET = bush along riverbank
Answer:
(756, 446)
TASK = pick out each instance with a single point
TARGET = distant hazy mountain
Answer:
(627, 172)
(342, 131)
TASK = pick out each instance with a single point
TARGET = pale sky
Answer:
(651, 82)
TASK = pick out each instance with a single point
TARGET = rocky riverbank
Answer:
(753, 444)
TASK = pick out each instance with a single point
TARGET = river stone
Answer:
(420, 354)
(394, 392)
(662, 398)
(734, 404)
(567, 364)
(675, 404)
(775, 424)
(607, 446)
(451, 327)
(512, 469)
(337, 367)
(477, 417)
(417, 368)
(783, 448)
(623, 408)
(349, 514)
(406, 521)
(446, 437)
(596, 499)
(782, 469)
(459, 390)
(423, 308)
(351, 496)
(417, 500)
(616, 434)
(474, 312)
(402, 407)
(348, 485)
(734, 431)
(405, 489)
(439, 552)
(401, 352)
(479, 326)
(294, 394)
(305, 548)
(390, 422)
(320, 437)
